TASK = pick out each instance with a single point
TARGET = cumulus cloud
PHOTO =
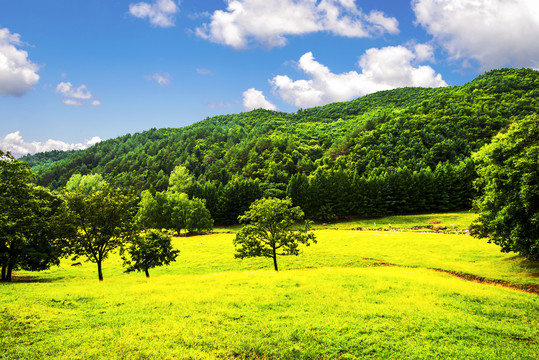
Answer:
(75, 96)
(269, 22)
(18, 74)
(382, 69)
(66, 89)
(494, 33)
(255, 99)
(15, 144)
(162, 79)
(160, 13)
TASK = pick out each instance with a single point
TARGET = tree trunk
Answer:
(147, 273)
(275, 259)
(8, 273)
(99, 271)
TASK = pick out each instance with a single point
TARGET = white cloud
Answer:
(75, 96)
(202, 71)
(268, 22)
(18, 74)
(66, 89)
(382, 69)
(423, 52)
(381, 23)
(255, 99)
(161, 13)
(494, 33)
(162, 79)
(72, 102)
(15, 144)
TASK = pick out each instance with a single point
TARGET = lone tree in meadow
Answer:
(508, 170)
(267, 230)
(148, 251)
(102, 220)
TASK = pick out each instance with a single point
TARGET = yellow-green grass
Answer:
(457, 221)
(328, 303)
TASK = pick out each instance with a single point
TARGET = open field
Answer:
(335, 301)
(454, 222)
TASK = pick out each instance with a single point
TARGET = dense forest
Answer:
(398, 151)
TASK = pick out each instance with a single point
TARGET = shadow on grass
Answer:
(532, 266)
(30, 279)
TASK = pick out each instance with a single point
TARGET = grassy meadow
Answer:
(334, 301)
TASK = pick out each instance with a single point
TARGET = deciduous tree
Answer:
(173, 211)
(268, 230)
(180, 180)
(29, 220)
(148, 251)
(103, 221)
(508, 184)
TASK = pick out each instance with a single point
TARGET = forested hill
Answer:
(408, 128)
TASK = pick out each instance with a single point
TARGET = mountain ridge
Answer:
(405, 127)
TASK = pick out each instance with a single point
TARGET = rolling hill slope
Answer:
(412, 127)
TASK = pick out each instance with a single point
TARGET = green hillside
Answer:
(390, 138)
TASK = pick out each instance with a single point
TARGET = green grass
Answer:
(456, 222)
(328, 303)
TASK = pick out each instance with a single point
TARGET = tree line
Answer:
(414, 128)
(91, 218)
(394, 152)
(330, 194)
(88, 218)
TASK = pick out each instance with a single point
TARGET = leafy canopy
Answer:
(508, 170)
(268, 230)
(180, 180)
(148, 251)
(173, 211)
(408, 127)
(29, 220)
(101, 221)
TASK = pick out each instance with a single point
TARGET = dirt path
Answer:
(530, 289)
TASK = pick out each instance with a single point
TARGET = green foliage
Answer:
(198, 217)
(179, 211)
(508, 183)
(268, 230)
(42, 159)
(29, 220)
(154, 211)
(101, 221)
(392, 152)
(180, 180)
(148, 251)
(173, 211)
(235, 198)
(85, 184)
(410, 127)
(298, 190)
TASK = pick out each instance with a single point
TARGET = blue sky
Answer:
(73, 72)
